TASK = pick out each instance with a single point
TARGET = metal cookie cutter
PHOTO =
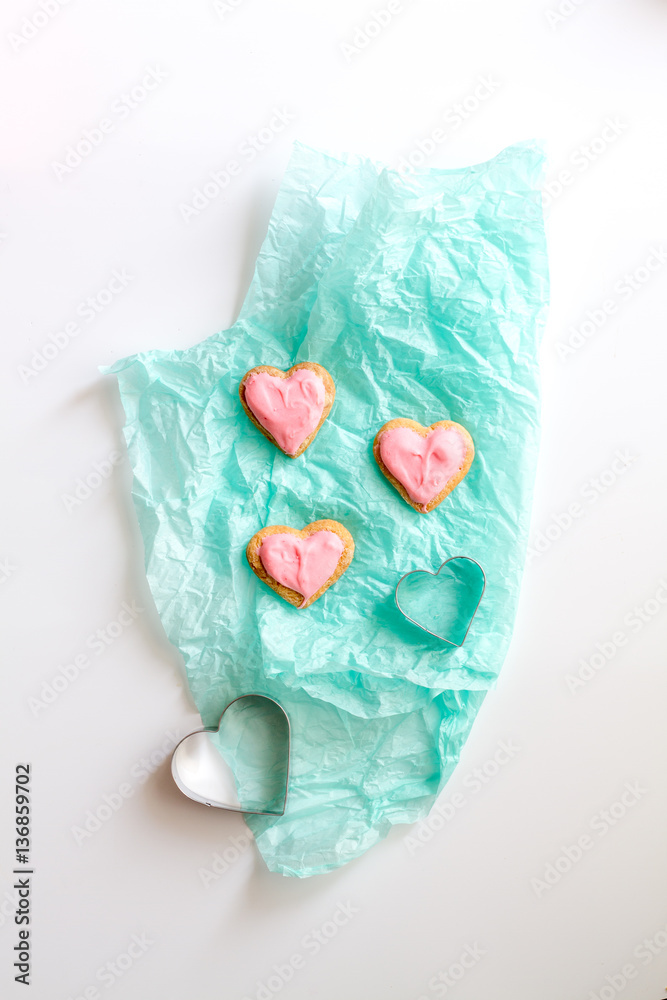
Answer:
(448, 605)
(201, 772)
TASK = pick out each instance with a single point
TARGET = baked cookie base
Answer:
(329, 396)
(413, 425)
(292, 596)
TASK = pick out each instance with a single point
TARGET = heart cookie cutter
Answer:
(426, 572)
(200, 771)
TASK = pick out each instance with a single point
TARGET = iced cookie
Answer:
(423, 463)
(288, 407)
(301, 565)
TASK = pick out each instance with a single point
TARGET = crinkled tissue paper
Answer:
(424, 295)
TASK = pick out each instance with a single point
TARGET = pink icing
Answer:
(301, 563)
(288, 408)
(423, 465)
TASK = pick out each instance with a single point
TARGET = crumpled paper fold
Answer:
(424, 296)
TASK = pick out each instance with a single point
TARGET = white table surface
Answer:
(467, 903)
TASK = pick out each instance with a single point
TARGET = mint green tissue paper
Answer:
(424, 296)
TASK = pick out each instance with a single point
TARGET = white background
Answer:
(66, 572)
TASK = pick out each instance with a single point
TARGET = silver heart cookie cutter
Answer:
(443, 638)
(198, 761)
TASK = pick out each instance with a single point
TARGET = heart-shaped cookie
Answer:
(443, 603)
(423, 463)
(254, 732)
(288, 407)
(301, 564)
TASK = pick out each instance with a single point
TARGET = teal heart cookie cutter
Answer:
(467, 582)
(201, 772)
